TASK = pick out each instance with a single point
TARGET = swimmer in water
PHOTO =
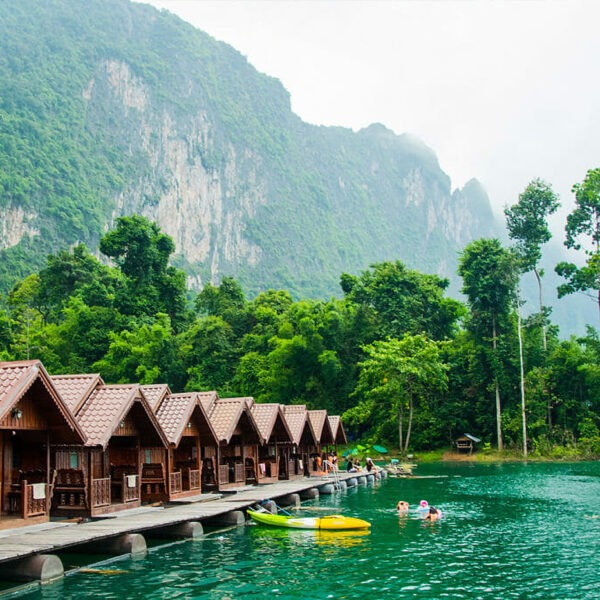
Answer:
(402, 506)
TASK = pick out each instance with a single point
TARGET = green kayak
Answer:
(329, 522)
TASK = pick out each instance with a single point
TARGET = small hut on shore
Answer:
(466, 443)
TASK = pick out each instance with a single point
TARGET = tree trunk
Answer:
(544, 338)
(410, 416)
(498, 404)
(521, 362)
(400, 419)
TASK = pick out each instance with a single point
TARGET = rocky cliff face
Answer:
(161, 120)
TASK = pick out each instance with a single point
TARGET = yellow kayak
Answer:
(328, 522)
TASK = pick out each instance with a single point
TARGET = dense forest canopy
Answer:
(404, 364)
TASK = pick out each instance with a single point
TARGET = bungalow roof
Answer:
(175, 411)
(270, 417)
(76, 389)
(296, 416)
(155, 393)
(228, 414)
(18, 377)
(321, 427)
(337, 428)
(108, 405)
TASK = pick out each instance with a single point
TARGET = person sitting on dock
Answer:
(402, 506)
(369, 464)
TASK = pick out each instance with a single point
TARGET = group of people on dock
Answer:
(353, 465)
(424, 511)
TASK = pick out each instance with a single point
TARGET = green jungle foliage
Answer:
(404, 365)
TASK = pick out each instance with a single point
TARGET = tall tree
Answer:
(142, 253)
(583, 233)
(527, 223)
(489, 282)
(400, 374)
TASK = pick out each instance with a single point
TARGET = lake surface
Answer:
(508, 531)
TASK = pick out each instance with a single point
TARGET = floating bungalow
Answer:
(274, 454)
(303, 440)
(34, 419)
(238, 437)
(191, 440)
(337, 429)
(118, 467)
(323, 439)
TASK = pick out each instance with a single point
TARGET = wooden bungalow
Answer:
(323, 439)
(303, 440)
(189, 432)
(274, 454)
(33, 417)
(239, 439)
(337, 429)
(122, 463)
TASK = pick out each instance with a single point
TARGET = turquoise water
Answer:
(509, 531)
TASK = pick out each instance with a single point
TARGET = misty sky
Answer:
(503, 91)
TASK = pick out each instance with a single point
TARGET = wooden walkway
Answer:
(53, 537)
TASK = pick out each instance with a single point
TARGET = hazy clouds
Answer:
(501, 91)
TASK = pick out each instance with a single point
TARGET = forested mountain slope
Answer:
(110, 108)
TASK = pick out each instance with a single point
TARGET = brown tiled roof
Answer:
(17, 377)
(226, 414)
(208, 399)
(296, 416)
(337, 429)
(266, 416)
(177, 410)
(108, 405)
(76, 389)
(155, 393)
(318, 419)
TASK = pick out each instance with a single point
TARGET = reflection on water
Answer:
(509, 531)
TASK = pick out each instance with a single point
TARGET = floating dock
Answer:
(28, 553)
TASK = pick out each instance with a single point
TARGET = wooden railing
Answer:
(175, 486)
(194, 479)
(36, 499)
(131, 492)
(239, 473)
(100, 492)
(223, 474)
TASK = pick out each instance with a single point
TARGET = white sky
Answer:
(504, 91)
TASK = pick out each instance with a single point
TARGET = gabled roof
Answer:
(227, 414)
(155, 393)
(108, 405)
(337, 428)
(320, 423)
(18, 377)
(76, 389)
(208, 399)
(175, 411)
(267, 416)
(296, 416)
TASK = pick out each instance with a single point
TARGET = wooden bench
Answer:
(153, 479)
(70, 489)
